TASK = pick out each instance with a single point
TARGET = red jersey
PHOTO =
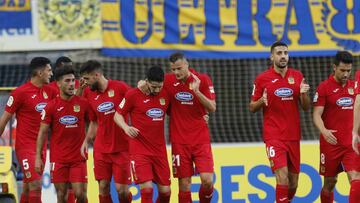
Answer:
(147, 114)
(109, 136)
(338, 103)
(357, 82)
(54, 85)
(67, 120)
(27, 102)
(187, 125)
(281, 115)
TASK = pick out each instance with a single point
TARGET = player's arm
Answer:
(89, 138)
(210, 105)
(44, 128)
(129, 130)
(4, 120)
(305, 100)
(356, 124)
(82, 86)
(254, 106)
(319, 123)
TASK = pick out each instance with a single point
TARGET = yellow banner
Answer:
(229, 28)
(69, 20)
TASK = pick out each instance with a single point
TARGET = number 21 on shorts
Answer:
(270, 151)
(176, 159)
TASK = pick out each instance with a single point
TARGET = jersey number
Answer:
(270, 151)
(25, 164)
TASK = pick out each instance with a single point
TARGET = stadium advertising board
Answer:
(49, 25)
(242, 175)
(229, 28)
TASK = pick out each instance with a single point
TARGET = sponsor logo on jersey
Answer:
(40, 106)
(106, 106)
(184, 96)
(155, 113)
(68, 120)
(283, 92)
(345, 102)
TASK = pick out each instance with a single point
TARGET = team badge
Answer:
(291, 80)
(111, 93)
(351, 91)
(162, 101)
(28, 174)
(76, 108)
(45, 95)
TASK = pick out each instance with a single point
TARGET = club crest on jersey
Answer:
(155, 113)
(40, 106)
(351, 91)
(291, 80)
(162, 101)
(76, 108)
(345, 102)
(111, 93)
(45, 95)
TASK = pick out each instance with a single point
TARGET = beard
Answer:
(281, 64)
(95, 86)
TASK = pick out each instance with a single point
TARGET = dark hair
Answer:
(38, 63)
(343, 56)
(155, 73)
(90, 66)
(65, 70)
(277, 44)
(176, 56)
(62, 60)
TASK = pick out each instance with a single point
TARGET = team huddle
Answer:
(126, 128)
(125, 125)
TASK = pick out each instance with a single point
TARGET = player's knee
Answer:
(60, 195)
(35, 185)
(207, 183)
(184, 184)
(329, 184)
(80, 196)
(104, 187)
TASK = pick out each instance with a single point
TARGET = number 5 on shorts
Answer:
(270, 151)
(25, 164)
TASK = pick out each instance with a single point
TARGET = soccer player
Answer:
(278, 91)
(192, 96)
(111, 157)
(333, 102)
(66, 116)
(26, 102)
(147, 107)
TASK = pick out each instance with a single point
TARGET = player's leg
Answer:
(204, 164)
(143, 174)
(32, 180)
(61, 190)
(70, 194)
(183, 170)
(103, 173)
(351, 165)
(277, 155)
(293, 167)
(78, 179)
(122, 176)
(162, 178)
(146, 192)
(331, 157)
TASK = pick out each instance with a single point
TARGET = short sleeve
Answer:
(257, 91)
(14, 102)
(320, 96)
(126, 104)
(46, 114)
(207, 87)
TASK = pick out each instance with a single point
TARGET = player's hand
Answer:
(39, 165)
(84, 149)
(82, 83)
(329, 137)
(264, 97)
(195, 85)
(132, 132)
(355, 142)
(304, 87)
(206, 118)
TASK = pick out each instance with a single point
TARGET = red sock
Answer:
(34, 196)
(71, 196)
(354, 196)
(282, 193)
(128, 199)
(326, 196)
(163, 197)
(291, 194)
(146, 195)
(105, 199)
(24, 198)
(205, 195)
(185, 197)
